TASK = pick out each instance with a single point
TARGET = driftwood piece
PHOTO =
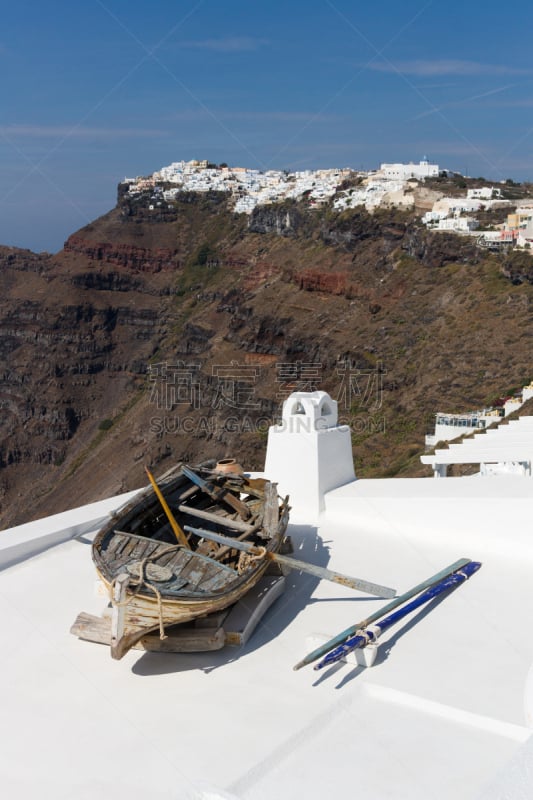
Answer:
(180, 639)
(227, 522)
(271, 511)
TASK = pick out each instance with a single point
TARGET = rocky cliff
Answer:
(176, 332)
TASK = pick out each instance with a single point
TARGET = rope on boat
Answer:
(144, 582)
(247, 559)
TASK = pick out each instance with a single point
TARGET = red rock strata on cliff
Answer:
(314, 281)
(123, 255)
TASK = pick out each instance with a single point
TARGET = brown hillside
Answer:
(177, 332)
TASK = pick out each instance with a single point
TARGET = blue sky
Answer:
(96, 90)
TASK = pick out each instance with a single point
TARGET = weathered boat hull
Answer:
(142, 614)
(153, 583)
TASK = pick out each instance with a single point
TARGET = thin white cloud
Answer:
(466, 101)
(195, 115)
(524, 102)
(282, 116)
(429, 68)
(230, 44)
(73, 131)
(437, 149)
(424, 86)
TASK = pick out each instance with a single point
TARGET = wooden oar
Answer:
(178, 533)
(293, 563)
(398, 601)
(363, 637)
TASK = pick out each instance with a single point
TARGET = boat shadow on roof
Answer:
(299, 587)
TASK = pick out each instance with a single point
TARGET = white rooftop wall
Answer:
(308, 454)
(443, 713)
(33, 537)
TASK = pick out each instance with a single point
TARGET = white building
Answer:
(457, 205)
(505, 450)
(457, 223)
(525, 236)
(484, 193)
(430, 217)
(247, 187)
(403, 172)
(374, 193)
(250, 187)
(451, 426)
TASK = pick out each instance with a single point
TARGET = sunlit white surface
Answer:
(442, 713)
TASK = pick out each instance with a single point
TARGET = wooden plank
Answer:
(152, 549)
(202, 569)
(271, 511)
(225, 521)
(141, 548)
(120, 564)
(215, 620)
(155, 548)
(92, 629)
(217, 581)
(139, 551)
(181, 639)
(177, 560)
(246, 614)
(114, 546)
(114, 543)
(194, 572)
(117, 616)
(122, 544)
(127, 551)
(212, 575)
(116, 565)
(185, 640)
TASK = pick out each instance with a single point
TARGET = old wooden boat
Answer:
(155, 580)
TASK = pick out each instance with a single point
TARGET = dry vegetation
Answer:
(412, 322)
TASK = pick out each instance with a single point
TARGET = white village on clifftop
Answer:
(391, 186)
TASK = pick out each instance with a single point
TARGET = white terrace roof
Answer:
(441, 714)
(511, 442)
